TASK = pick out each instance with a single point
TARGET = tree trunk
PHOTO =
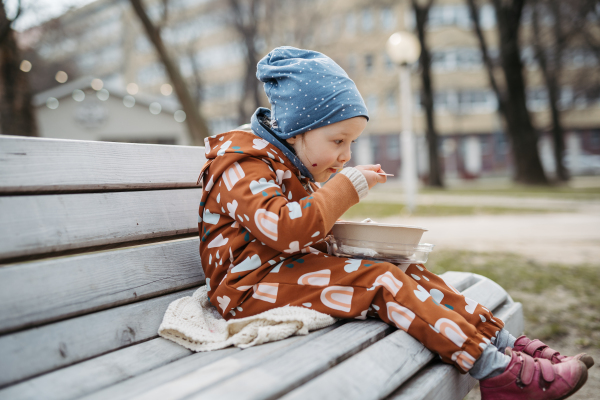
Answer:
(197, 127)
(487, 61)
(435, 175)
(551, 75)
(512, 104)
(16, 112)
(247, 27)
(524, 138)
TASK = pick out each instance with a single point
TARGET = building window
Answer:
(487, 16)
(389, 64)
(465, 102)
(368, 63)
(388, 19)
(350, 24)
(142, 44)
(151, 74)
(392, 103)
(476, 101)
(449, 15)
(219, 55)
(456, 59)
(372, 103)
(595, 139)
(537, 99)
(351, 63)
(393, 147)
(367, 20)
(501, 145)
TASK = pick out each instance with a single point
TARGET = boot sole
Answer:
(580, 383)
(587, 360)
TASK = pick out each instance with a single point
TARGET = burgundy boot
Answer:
(536, 348)
(528, 378)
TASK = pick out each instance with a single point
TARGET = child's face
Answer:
(325, 150)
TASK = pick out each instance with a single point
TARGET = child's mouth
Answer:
(333, 170)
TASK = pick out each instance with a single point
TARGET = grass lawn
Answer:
(366, 209)
(557, 192)
(561, 303)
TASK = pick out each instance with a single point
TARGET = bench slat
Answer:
(371, 374)
(71, 341)
(186, 376)
(279, 376)
(376, 371)
(44, 224)
(37, 292)
(42, 165)
(100, 372)
(513, 320)
(439, 381)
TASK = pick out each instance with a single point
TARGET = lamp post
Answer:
(404, 49)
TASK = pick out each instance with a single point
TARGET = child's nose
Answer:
(345, 156)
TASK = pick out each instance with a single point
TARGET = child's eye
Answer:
(338, 141)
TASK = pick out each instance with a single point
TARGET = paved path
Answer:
(571, 235)
(567, 238)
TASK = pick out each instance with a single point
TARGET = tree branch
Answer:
(5, 22)
(474, 12)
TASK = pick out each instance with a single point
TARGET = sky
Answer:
(36, 12)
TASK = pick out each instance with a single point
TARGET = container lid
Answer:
(379, 224)
(378, 232)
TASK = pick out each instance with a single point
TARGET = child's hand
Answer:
(370, 173)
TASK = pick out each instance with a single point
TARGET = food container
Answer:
(376, 232)
(397, 253)
(374, 241)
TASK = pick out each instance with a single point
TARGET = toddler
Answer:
(263, 219)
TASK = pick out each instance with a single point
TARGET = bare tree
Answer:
(551, 71)
(197, 126)
(512, 100)
(16, 113)
(246, 19)
(421, 10)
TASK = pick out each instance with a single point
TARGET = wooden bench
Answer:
(96, 239)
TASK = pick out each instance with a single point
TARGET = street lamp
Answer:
(404, 49)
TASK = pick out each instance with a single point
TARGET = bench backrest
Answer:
(96, 239)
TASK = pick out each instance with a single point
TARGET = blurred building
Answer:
(105, 40)
(75, 110)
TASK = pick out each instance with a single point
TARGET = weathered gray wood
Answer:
(67, 342)
(42, 165)
(136, 385)
(439, 381)
(192, 373)
(280, 375)
(460, 280)
(379, 369)
(38, 292)
(371, 374)
(436, 381)
(513, 312)
(95, 374)
(487, 293)
(45, 224)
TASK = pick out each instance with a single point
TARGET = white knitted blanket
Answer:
(195, 324)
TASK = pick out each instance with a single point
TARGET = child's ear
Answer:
(292, 140)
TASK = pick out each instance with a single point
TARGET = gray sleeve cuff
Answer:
(358, 180)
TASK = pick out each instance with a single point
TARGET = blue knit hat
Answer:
(307, 90)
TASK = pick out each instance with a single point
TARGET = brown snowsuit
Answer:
(262, 227)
